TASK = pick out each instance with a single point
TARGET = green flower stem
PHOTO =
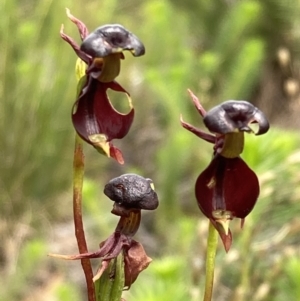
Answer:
(119, 279)
(246, 259)
(212, 242)
(111, 283)
(78, 173)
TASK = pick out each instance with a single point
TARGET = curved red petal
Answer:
(85, 57)
(198, 132)
(136, 260)
(83, 31)
(94, 114)
(229, 185)
(116, 154)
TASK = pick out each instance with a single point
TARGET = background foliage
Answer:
(219, 49)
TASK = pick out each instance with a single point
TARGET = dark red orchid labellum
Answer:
(97, 122)
(94, 118)
(227, 188)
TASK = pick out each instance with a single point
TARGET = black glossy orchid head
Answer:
(110, 39)
(235, 116)
(132, 191)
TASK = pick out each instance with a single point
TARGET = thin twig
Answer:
(78, 173)
(212, 242)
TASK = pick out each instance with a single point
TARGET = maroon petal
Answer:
(197, 103)
(85, 57)
(227, 188)
(227, 185)
(198, 132)
(116, 154)
(136, 260)
(83, 31)
(93, 115)
(109, 249)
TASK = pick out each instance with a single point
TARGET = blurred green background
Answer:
(220, 50)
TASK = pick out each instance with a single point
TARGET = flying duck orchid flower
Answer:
(227, 188)
(131, 193)
(94, 118)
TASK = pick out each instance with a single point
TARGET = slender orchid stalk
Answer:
(78, 176)
(78, 173)
(212, 242)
